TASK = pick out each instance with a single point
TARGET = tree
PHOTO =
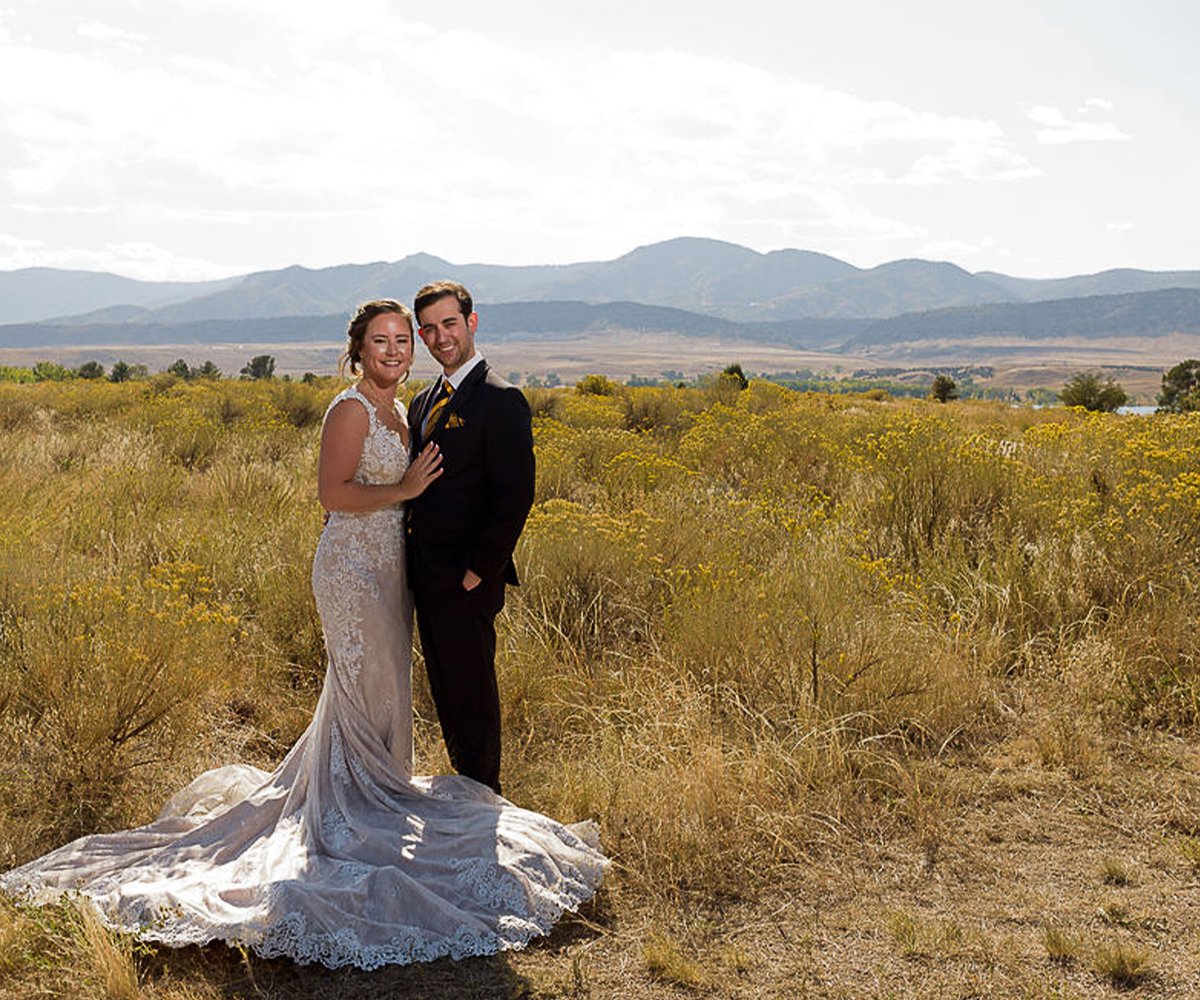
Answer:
(262, 366)
(734, 373)
(208, 370)
(90, 370)
(1181, 388)
(51, 371)
(1085, 389)
(180, 369)
(943, 389)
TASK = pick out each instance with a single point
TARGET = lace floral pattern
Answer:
(340, 856)
(366, 545)
(490, 884)
(335, 828)
(338, 767)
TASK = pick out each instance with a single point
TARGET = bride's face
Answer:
(387, 349)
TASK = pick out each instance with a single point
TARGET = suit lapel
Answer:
(420, 407)
(457, 400)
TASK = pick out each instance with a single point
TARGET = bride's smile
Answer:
(387, 350)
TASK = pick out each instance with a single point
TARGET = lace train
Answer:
(340, 855)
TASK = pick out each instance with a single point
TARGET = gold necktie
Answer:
(431, 417)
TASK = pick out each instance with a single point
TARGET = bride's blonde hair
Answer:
(356, 332)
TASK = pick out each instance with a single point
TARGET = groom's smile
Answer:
(447, 333)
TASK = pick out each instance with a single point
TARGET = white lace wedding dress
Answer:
(340, 855)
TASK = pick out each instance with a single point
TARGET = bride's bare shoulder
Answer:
(346, 416)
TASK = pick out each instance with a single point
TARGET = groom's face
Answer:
(447, 333)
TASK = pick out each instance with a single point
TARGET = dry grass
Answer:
(110, 958)
(1122, 964)
(1189, 848)
(1062, 947)
(667, 962)
(869, 698)
(1114, 871)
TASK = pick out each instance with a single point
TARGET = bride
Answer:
(340, 855)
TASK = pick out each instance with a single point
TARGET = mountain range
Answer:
(691, 286)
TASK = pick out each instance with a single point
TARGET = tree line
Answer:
(261, 366)
(1180, 390)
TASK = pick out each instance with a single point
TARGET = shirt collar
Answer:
(456, 380)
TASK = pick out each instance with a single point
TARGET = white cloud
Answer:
(1059, 130)
(147, 261)
(310, 117)
(46, 209)
(300, 130)
(150, 134)
(217, 72)
(957, 249)
(14, 245)
(101, 32)
(971, 161)
(705, 112)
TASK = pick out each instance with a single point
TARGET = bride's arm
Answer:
(341, 447)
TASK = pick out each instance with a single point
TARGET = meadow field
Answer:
(869, 697)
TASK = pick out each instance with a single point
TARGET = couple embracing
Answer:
(341, 855)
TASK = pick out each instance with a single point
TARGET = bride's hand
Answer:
(425, 468)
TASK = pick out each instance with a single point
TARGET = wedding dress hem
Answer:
(288, 937)
(340, 856)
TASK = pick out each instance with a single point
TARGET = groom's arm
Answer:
(509, 463)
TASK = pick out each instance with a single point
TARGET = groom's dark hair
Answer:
(428, 295)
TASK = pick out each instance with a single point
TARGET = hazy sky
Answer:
(198, 139)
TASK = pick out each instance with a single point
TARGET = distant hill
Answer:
(501, 321)
(899, 287)
(1114, 282)
(36, 293)
(705, 276)
(678, 273)
(284, 329)
(686, 285)
(1133, 315)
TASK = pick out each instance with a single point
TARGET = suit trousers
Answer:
(458, 639)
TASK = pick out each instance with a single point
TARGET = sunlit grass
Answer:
(750, 624)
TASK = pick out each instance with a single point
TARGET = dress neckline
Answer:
(375, 419)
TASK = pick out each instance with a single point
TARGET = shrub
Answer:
(1085, 389)
(943, 389)
(1181, 388)
(596, 385)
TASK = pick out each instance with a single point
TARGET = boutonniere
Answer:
(454, 420)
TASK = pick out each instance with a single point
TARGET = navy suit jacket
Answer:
(471, 516)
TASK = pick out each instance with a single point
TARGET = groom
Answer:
(463, 528)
